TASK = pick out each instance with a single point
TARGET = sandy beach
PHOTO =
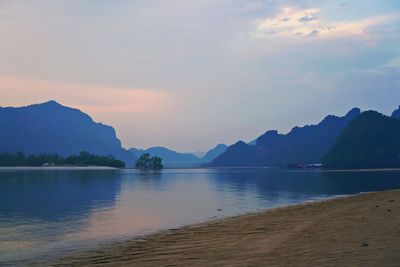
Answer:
(362, 230)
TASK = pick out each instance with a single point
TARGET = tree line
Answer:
(84, 158)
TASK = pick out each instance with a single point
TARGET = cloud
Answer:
(307, 18)
(97, 100)
(291, 22)
(189, 74)
(393, 64)
(314, 33)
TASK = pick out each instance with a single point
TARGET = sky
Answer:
(191, 74)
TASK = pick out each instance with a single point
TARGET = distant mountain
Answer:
(238, 155)
(170, 158)
(396, 113)
(173, 158)
(252, 142)
(53, 128)
(198, 154)
(301, 145)
(214, 153)
(372, 140)
(136, 151)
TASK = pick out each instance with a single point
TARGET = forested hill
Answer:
(370, 141)
(53, 128)
(396, 114)
(301, 145)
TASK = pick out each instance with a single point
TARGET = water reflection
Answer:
(55, 211)
(271, 183)
(56, 195)
(150, 180)
(39, 208)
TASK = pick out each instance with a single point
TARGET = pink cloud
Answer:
(17, 91)
(298, 23)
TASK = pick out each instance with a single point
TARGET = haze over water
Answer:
(47, 213)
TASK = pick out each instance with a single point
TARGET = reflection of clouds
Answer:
(119, 221)
(151, 201)
(150, 180)
(126, 203)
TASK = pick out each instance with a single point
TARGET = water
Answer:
(48, 213)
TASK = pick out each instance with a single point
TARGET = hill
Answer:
(53, 128)
(370, 141)
(214, 153)
(169, 157)
(173, 158)
(301, 145)
(396, 113)
(239, 154)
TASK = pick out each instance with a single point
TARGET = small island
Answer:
(147, 162)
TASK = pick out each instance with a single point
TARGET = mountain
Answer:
(198, 154)
(136, 152)
(372, 140)
(53, 128)
(252, 142)
(301, 145)
(238, 155)
(170, 158)
(214, 153)
(173, 158)
(396, 113)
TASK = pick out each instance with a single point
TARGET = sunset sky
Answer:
(191, 74)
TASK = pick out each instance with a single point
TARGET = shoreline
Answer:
(52, 168)
(71, 167)
(356, 230)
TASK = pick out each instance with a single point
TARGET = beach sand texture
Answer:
(362, 230)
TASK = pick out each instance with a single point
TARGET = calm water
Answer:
(46, 213)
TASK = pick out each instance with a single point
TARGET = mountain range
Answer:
(357, 140)
(301, 145)
(173, 158)
(53, 128)
(169, 157)
(371, 140)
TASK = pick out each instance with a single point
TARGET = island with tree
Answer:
(147, 162)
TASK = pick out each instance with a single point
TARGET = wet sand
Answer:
(362, 230)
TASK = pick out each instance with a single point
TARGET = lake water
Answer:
(46, 213)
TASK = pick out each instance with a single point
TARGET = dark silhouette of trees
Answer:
(83, 159)
(146, 162)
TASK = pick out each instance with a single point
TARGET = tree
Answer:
(146, 162)
(156, 163)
